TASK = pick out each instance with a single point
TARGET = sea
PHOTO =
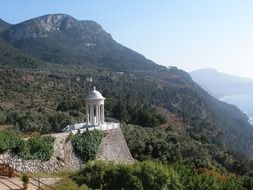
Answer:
(243, 102)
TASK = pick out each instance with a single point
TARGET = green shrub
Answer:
(8, 140)
(232, 184)
(87, 143)
(25, 178)
(150, 175)
(139, 176)
(192, 180)
(58, 121)
(248, 182)
(38, 148)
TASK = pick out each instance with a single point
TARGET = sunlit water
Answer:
(244, 102)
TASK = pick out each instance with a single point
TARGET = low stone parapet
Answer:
(82, 127)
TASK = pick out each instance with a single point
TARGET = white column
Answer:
(87, 114)
(99, 114)
(103, 116)
(92, 114)
(96, 114)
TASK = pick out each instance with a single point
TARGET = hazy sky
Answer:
(189, 34)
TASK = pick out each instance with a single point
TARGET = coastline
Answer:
(243, 101)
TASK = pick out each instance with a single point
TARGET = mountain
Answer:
(68, 53)
(221, 84)
(13, 57)
(62, 39)
(4, 25)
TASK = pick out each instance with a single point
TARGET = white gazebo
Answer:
(94, 108)
(95, 119)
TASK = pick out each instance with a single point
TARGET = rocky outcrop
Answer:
(40, 27)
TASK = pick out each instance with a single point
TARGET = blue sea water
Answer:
(243, 102)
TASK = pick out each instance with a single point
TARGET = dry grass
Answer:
(66, 183)
(4, 127)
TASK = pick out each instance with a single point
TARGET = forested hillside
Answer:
(12, 57)
(39, 96)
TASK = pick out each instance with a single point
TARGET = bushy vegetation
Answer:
(37, 148)
(146, 175)
(87, 143)
(150, 175)
(10, 56)
(142, 115)
(36, 121)
(8, 140)
(25, 178)
(169, 146)
(40, 148)
(208, 179)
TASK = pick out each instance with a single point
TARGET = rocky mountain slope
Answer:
(62, 39)
(47, 97)
(221, 84)
(4, 25)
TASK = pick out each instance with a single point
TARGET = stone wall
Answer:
(112, 148)
(63, 158)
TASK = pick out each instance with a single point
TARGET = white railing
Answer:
(82, 127)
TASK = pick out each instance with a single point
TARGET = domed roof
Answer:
(94, 95)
